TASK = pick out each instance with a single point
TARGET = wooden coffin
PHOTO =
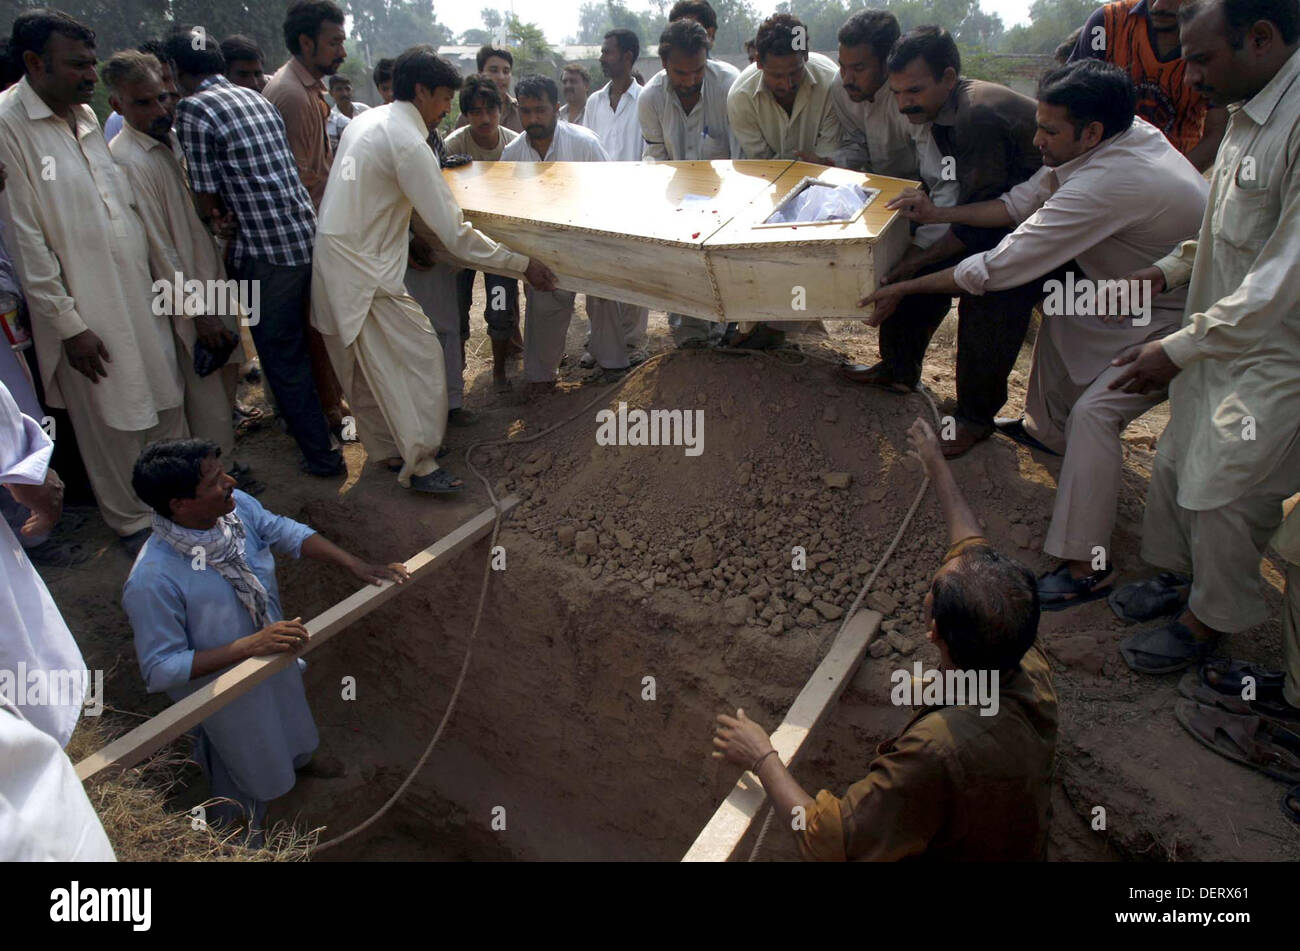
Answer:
(688, 237)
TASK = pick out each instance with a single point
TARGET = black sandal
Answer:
(1163, 650)
(437, 482)
(1058, 589)
(1141, 601)
(1014, 429)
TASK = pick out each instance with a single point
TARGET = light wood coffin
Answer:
(688, 237)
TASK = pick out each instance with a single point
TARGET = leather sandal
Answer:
(1058, 589)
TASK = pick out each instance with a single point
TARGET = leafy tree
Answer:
(533, 54)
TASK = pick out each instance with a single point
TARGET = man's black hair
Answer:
(685, 36)
(877, 29)
(422, 65)
(697, 10)
(237, 48)
(985, 609)
(1092, 91)
(479, 87)
(487, 51)
(206, 60)
(628, 41)
(11, 67)
(338, 78)
(933, 44)
(781, 34)
(538, 87)
(32, 31)
(171, 469)
(306, 17)
(383, 71)
(1241, 15)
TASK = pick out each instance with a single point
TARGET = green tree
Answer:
(533, 54)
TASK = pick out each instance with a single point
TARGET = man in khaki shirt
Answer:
(781, 105)
(961, 782)
(181, 249)
(1231, 452)
(82, 257)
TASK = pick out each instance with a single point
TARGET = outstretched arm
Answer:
(961, 521)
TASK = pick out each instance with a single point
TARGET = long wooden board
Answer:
(130, 749)
(718, 840)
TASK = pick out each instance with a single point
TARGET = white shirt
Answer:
(876, 136)
(81, 253)
(1152, 199)
(45, 815)
(619, 130)
(673, 135)
(1235, 407)
(33, 632)
(766, 131)
(571, 143)
(383, 173)
(944, 190)
(337, 122)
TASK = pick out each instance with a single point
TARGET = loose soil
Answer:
(642, 562)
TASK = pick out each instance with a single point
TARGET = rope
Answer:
(603, 395)
(853, 609)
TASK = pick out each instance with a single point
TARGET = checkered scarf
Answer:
(223, 549)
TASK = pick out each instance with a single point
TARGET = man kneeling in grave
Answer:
(202, 597)
(961, 781)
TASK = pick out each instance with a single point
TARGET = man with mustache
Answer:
(180, 247)
(683, 113)
(876, 136)
(1091, 144)
(976, 139)
(1231, 452)
(82, 257)
(618, 329)
(547, 139)
(113, 124)
(1141, 37)
(202, 597)
(314, 35)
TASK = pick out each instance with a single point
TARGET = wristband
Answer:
(759, 762)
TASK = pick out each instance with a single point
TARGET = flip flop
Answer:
(437, 482)
(1058, 590)
(1014, 429)
(1290, 804)
(1163, 650)
(1140, 601)
(1193, 687)
(1251, 741)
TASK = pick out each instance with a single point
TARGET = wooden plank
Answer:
(718, 840)
(130, 749)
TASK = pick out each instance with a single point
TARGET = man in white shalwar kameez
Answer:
(1231, 452)
(81, 254)
(384, 351)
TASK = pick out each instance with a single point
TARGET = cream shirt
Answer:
(178, 241)
(673, 135)
(944, 192)
(1153, 200)
(763, 128)
(571, 143)
(876, 136)
(382, 173)
(619, 130)
(83, 260)
(1235, 407)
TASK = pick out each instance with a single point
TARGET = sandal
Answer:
(1163, 650)
(1014, 429)
(1140, 601)
(437, 482)
(1058, 589)
(1251, 741)
(1225, 677)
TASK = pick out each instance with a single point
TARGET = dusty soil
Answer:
(623, 564)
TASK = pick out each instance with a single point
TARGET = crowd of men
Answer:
(208, 171)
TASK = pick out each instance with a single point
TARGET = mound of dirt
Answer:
(796, 490)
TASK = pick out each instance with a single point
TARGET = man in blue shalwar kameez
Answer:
(202, 596)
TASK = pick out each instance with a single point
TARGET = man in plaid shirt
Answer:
(244, 180)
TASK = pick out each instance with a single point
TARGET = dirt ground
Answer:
(644, 562)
